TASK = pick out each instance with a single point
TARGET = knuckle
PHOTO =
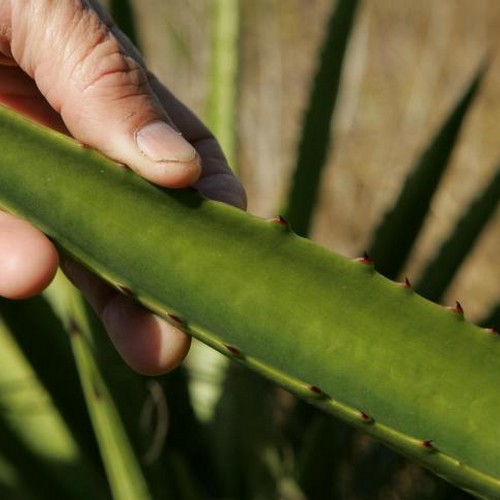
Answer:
(106, 67)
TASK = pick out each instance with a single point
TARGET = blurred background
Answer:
(407, 64)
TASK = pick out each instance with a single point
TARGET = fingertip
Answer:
(28, 259)
(224, 187)
(169, 160)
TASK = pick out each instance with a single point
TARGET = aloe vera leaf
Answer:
(123, 470)
(315, 139)
(394, 238)
(441, 270)
(123, 14)
(33, 437)
(223, 95)
(417, 376)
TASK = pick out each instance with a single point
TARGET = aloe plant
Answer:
(333, 331)
(416, 376)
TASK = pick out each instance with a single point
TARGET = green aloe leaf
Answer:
(418, 377)
(440, 271)
(315, 140)
(393, 240)
(123, 470)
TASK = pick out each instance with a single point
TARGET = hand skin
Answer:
(66, 65)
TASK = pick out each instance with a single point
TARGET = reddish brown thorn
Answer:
(281, 221)
(316, 390)
(234, 351)
(457, 309)
(364, 260)
(428, 444)
(366, 418)
(406, 283)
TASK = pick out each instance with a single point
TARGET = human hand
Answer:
(66, 65)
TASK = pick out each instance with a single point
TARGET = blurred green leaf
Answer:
(315, 139)
(394, 238)
(223, 95)
(33, 437)
(45, 343)
(439, 273)
(121, 463)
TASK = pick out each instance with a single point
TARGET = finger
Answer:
(147, 343)
(100, 89)
(28, 260)
(217, 181)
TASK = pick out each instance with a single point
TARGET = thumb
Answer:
(100, 88)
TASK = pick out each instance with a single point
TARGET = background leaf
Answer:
(394, 238)
(315, 139)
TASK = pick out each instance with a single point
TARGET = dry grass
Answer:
(407, 64)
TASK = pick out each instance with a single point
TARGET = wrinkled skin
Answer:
(66, 65)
